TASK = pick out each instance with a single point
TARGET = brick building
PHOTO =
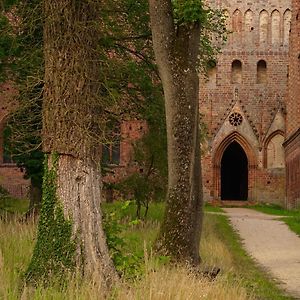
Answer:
(243, 105)
(246, 109)
(11, 177)
(292, 142)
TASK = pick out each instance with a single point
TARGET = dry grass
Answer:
(177, 283)
(16, 244)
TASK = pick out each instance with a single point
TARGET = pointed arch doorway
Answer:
(234, 169)
(234, 173)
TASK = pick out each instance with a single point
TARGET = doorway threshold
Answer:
(232, 203)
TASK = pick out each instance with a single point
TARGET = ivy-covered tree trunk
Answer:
(176, 52)
(70, 232)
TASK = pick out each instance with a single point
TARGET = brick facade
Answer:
(11, 177)
(292, 143)
(249, 83)
(245, 106)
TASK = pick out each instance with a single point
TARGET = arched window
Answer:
(287, 16)
(212, 74)
(275, 152)
(261, 76)
(111, 153)
(237, 21)
(275, 19)
(249, 21)
(236, 72)
(263, 27)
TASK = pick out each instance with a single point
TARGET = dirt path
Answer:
(271, 243)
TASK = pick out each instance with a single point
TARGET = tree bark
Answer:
(71, 117)
(176, 52)
(79, 191)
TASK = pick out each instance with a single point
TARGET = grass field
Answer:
(239, 278)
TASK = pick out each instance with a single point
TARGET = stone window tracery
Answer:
(235, 119)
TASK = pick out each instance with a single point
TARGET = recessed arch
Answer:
(236, 71)
(234, 173)
(249, 20)
(287, 17)
(234, 137)
(275, 27)
(237, 21)
(274, 151)
(261, 72)
(263, 27)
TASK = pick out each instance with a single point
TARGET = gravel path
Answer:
(271, 243)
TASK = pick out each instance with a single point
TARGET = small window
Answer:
(236, 72)
(111, 153)
(211, 73)
(262, 72)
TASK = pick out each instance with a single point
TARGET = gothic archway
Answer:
(234, 155)
(234, 173)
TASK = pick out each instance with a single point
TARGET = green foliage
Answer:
(13, 205)
(273, 209)
(212, 23)
(191, 11)
(54, 251)
(127, 263)
(293, 223)
(210, 208)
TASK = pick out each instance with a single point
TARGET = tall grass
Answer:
(219, 247)
(158, 282)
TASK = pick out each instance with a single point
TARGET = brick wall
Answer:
(256, 89)
(11, 177)
(292, 143)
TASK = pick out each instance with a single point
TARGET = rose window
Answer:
(235, 119)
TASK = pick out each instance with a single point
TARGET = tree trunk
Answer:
(176, 53)
(70, 232)
(79, 191)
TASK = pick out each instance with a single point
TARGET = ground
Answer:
(271, 243)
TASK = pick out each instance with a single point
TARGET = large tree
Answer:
(70, 232)
(178, 36)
